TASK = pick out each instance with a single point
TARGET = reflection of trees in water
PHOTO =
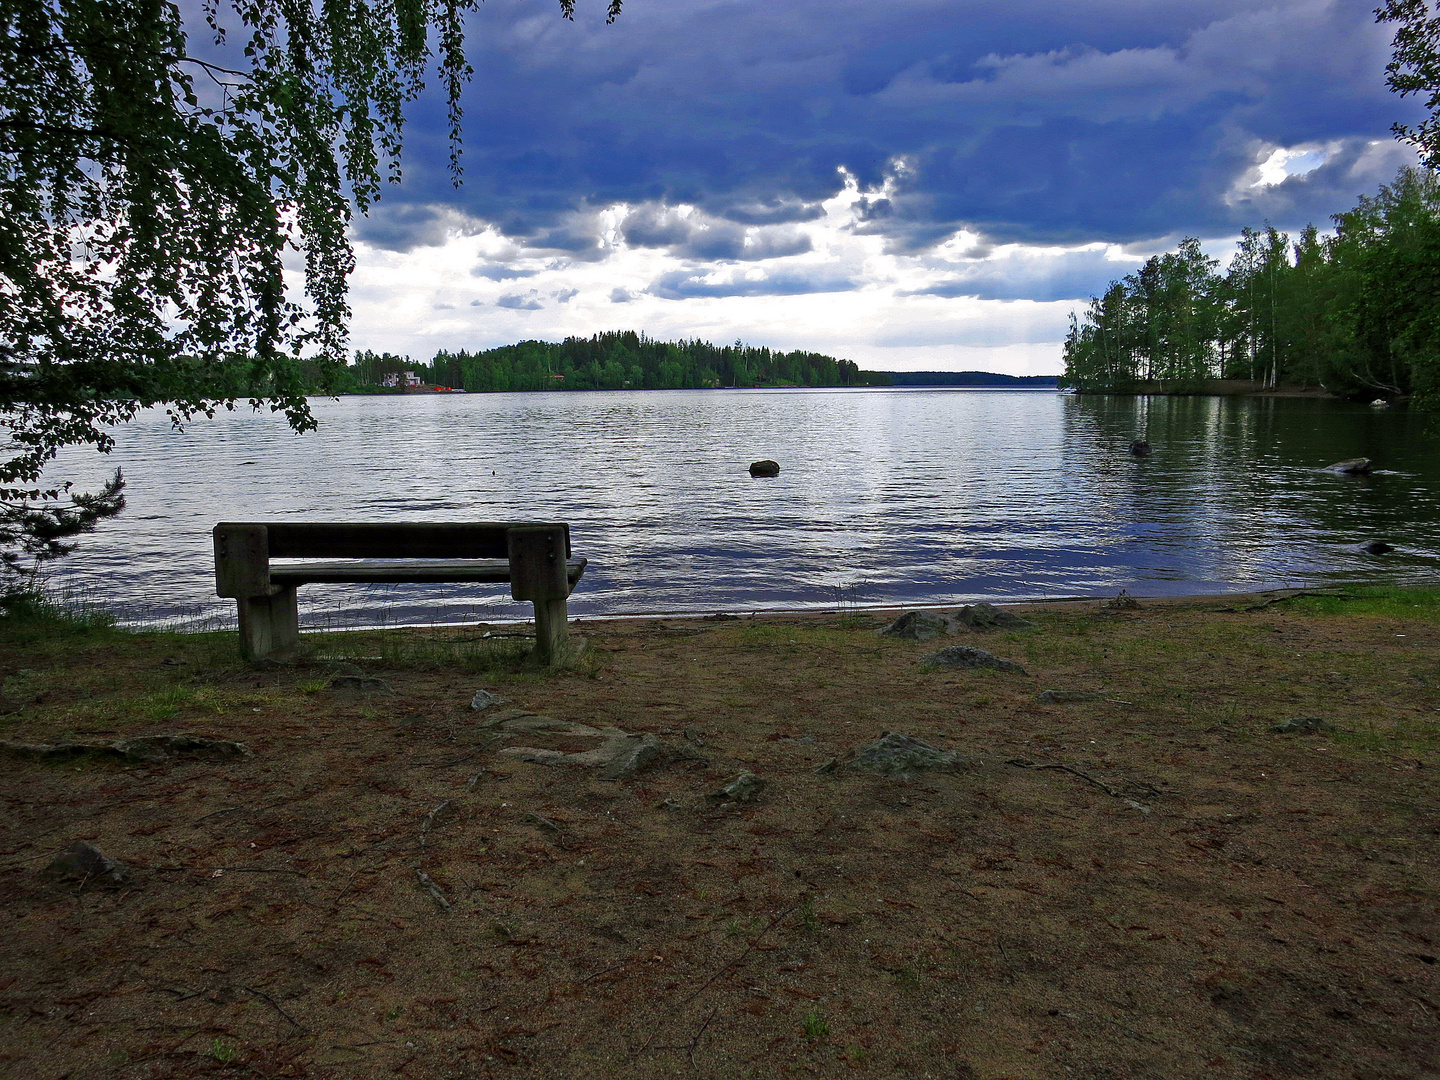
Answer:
(1238, 484)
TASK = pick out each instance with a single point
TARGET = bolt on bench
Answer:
(533, 557)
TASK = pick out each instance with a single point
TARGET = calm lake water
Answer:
(884, 497)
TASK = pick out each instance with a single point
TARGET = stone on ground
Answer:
(142, 749)
(81, 862)
(984, 617)
(619, 755)
(895, 754)
(1303, 723)
(919, 626)
(967, 656)
(1065, 697)
(742, 788)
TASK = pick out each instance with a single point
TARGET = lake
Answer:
(885, 497)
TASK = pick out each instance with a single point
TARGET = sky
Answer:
(912, 185)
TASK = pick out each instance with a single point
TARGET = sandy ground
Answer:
(1151, 883)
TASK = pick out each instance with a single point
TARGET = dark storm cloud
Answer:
(698, 236)
(1033, 120)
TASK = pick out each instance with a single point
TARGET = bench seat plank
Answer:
(403, 571)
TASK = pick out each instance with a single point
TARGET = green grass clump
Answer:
(33, 613)
(1392, 601)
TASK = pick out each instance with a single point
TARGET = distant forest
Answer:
(612, 361)
(1357, 313)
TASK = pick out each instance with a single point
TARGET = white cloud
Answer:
(834, 287)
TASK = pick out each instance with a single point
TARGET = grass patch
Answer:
(458, 648)
(33, 614)
(1396, 602)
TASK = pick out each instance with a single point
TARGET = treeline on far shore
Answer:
(615, 360)
(1356, 313)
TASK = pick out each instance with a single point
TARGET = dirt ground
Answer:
(1193, 895)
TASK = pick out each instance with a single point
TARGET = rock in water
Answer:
(984, 617)
(919, 626)
(965, 656)
(81, 862)
(894, 754)
(1359, 466)
(765, 468)
(1140, 448)
(1377, 547)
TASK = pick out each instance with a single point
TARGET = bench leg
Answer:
(268, 624)
(552, 632)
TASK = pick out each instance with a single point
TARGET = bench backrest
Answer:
(404, 540)
(243, 549)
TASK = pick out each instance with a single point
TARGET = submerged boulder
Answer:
(1140, 448)
(1377, 547)
(765, 468)
(1359, 466)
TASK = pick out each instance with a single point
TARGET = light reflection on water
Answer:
(884, 496)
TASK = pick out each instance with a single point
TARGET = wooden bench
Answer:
(534, 557)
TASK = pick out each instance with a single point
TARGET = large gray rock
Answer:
(919, 626)
(83, 863)
(984, 617)
(1359, 466)
(894, 754)
(966, 656)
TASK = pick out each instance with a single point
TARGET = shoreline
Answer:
(1241, 592)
